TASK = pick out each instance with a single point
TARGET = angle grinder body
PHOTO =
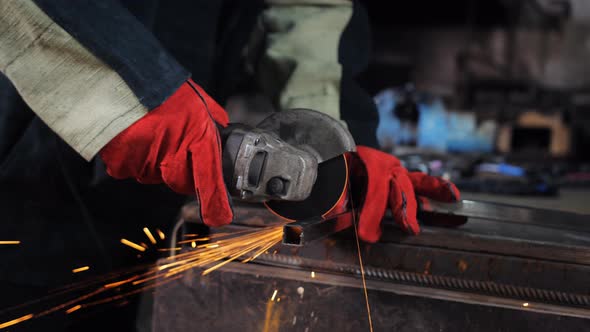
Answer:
(293, 161)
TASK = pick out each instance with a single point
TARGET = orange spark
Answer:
(9, 242)
(135, 291)
(227, 248)
(160, 234)
(132, 245)
(358, 249)
(81, 269)
(194, 240)
(16, 321)
(149, 235)
(74, 308)
(201, 239)
(69, 303)
(119, 283)
(208, 245)
(141, 281)
(169, 249)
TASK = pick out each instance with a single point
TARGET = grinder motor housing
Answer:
(278, 159)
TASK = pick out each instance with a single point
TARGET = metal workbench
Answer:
(483, 276)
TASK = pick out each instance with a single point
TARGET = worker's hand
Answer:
(390, 184)
(178, 144)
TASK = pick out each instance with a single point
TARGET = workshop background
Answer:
(501, 85)
(493, 95)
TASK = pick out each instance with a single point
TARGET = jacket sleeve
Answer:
(294, 50)
(87, 68)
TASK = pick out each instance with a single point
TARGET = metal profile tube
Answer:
(299, 233)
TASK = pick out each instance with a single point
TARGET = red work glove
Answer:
(390, 184)
(178, 144)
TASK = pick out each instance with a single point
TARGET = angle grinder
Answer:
(293, 161)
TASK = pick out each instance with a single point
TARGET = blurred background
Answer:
(491, 93)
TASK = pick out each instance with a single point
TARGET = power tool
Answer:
(292, 161)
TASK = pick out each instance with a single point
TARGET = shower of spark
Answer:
(221, 249)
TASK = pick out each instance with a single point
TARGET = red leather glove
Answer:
(390, 184)
(178, 144)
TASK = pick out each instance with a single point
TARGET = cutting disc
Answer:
(328, 191)
(312, 131)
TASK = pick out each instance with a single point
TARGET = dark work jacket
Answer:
(68, 212)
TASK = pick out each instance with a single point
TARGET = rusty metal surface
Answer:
(238, 298)
(477, 235)
(570, 302)
(484, 270)
(506, 213)
(495, 238)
